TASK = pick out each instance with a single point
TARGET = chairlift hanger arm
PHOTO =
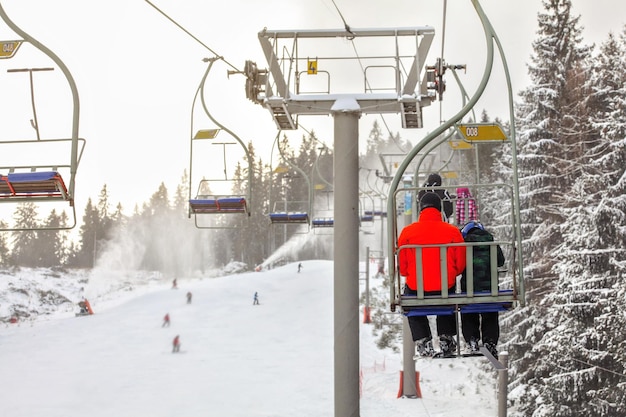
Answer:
(208, 113)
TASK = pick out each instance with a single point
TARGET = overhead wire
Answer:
(351, 39)
(191, 35)
(218, 56)
(346, 26)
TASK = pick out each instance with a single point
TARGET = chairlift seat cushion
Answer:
(33, 184)
(430, 311)
(435, 309)
(289, 217)
(323, 222)
(219, 205)
(486, 307)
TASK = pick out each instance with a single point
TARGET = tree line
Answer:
(161, 234)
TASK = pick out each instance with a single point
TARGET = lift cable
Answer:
(351, 39)
(190, 34)
(345, 24)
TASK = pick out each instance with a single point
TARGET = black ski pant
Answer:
(420, 327)
(479, 326)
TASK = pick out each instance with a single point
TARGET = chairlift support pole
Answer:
(346, 257)
(346, 109)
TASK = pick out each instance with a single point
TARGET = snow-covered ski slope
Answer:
(236, 360)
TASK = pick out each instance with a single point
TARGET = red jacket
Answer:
(430, 229)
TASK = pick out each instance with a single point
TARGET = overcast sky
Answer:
(137, 73)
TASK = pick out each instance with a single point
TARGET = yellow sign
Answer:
(206, 134)
(459, 144)
(9, 48)
(311, 66)
(482, 132)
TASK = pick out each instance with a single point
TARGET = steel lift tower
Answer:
(390, 78)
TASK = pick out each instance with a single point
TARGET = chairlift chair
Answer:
(209, 204)
(43, 169)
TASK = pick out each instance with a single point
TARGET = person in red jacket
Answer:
(431, 229)
(176, 344)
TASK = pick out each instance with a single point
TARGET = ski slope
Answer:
(236, 360)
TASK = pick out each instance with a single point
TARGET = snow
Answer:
(236, 359)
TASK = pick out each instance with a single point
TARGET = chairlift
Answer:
(507, 285)
(287, 211)
(43, 169)
(366, 216)
(323, 218)
(234, 195)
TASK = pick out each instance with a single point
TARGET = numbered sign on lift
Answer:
(482, 132)
(9, 48)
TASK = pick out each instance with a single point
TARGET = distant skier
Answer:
(299, 267)
(176, 344)
(166, 320)
(256, 299)
(174, 284)
(189, 297)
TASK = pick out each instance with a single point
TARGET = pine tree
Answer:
(118, 217)
(155, 228)
(24, 241)
(104, 219)
(543, 137)
(50, 247)
(85, 257)
(4, 246)
(566, 171)
(181, 196)
(590, 297)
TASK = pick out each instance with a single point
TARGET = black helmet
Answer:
(430, 199)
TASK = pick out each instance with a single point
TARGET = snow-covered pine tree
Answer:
(555, 138)
(589, 304)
